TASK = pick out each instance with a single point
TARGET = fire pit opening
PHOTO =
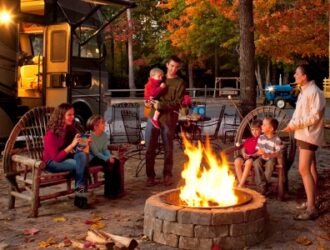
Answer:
(173, 198)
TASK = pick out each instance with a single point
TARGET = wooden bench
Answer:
(25, 170)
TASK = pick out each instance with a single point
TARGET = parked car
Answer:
(279, 95)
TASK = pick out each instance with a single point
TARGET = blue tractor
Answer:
(279, 95)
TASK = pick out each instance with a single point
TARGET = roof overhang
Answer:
(112, 2)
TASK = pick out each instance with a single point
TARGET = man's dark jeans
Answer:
(151, 135)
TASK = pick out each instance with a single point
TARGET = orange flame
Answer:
(208, 181)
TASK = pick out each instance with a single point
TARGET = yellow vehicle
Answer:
(53, 52)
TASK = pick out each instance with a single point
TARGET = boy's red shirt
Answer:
(250, 145)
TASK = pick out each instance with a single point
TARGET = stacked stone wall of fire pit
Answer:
(201, 228)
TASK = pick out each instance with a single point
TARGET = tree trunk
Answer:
(247, 51)
(216, 63)
(259, 79)
(131, 83)
(268, 69)
(190, 74)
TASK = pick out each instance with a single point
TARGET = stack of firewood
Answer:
(103, 240)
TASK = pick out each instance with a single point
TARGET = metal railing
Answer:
(193, 92)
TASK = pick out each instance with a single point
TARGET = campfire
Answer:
(207, 209)
(208, 180)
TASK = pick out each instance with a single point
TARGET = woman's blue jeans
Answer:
(167, 133)
(77, 166)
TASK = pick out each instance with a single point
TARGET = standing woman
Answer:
(307, 123)
(59, 152)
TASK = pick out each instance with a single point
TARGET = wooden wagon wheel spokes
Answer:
(243, 132)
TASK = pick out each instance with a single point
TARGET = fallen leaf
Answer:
(303, 240)
(47, 243)
(96, 217)
(215, 247)
(88, 244)
(89, 222)
(67, 242)
(325, 237)
(77, 244)
(30, 231)
(98, 225)
(59, 219)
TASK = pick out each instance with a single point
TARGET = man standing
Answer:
(169, 102)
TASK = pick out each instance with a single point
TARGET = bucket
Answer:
(201, 110)
(195, 109)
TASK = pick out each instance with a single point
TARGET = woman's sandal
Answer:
(307, 215)
(302, 206)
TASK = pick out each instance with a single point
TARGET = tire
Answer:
(280, 103)
(293, 104)
(82, 113)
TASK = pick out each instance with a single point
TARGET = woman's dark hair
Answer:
(56, 121)
(307, 70)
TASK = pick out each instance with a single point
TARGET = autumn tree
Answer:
(196, 30)
(287, 30)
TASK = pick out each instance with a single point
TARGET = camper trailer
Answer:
(52, 51)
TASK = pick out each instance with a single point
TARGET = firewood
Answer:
(97, 237)
(77, 244)
(121, 242)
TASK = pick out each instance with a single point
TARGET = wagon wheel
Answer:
(243, 132)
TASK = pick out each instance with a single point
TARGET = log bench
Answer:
(25, 170)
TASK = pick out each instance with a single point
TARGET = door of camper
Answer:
(57, 57)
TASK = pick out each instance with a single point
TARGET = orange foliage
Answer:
(287, 28)
(283, 28)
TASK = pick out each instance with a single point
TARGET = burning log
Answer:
(110, 241)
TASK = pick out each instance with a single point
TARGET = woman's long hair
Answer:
(56, 122)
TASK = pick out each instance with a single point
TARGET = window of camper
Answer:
(58, 50)
(88, 50)
(37, 44)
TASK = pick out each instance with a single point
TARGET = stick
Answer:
(129, 243)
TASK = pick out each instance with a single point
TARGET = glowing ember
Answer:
(208, 181)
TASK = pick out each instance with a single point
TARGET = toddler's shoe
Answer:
(155, 123)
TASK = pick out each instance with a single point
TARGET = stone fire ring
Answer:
(201, 228)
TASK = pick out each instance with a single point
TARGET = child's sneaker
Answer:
(155, 123)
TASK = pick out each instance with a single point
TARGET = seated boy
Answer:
(269, 149)
(248, 153)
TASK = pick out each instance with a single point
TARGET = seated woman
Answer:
(59, 153)
(100, 155)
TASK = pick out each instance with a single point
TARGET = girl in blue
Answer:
(100, 155)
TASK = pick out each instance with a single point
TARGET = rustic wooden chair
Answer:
(288, 153)
(24, 168)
